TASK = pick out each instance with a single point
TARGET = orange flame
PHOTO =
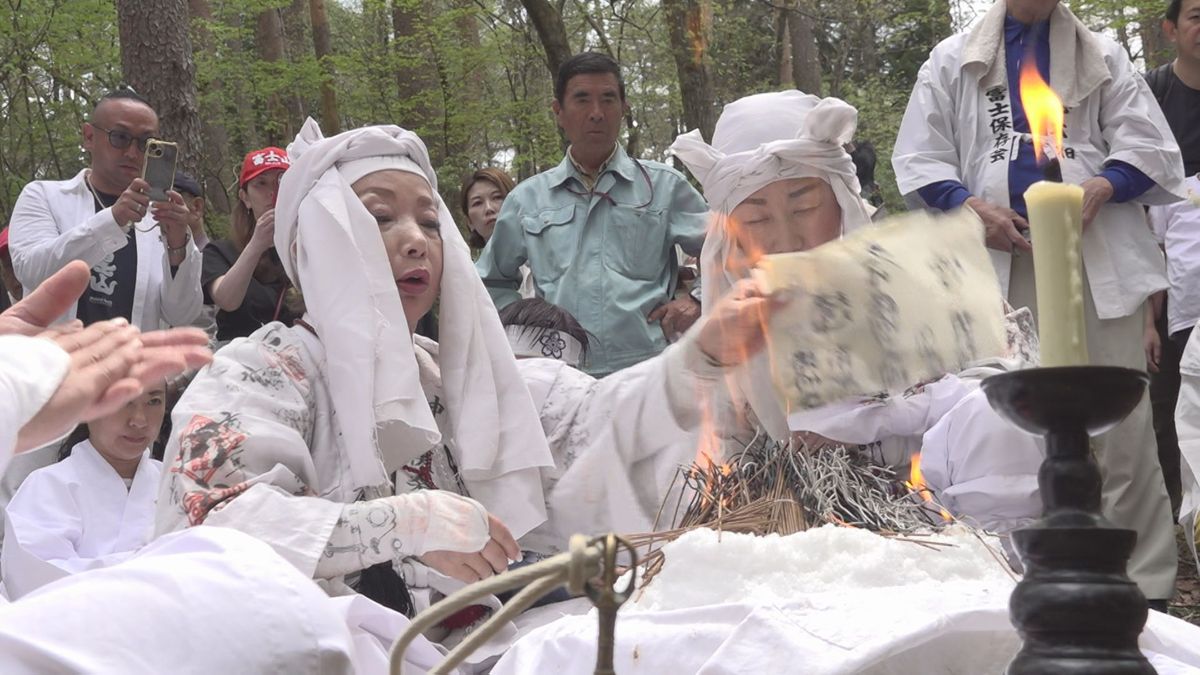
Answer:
(744, 256)
(1043, 109)
(916, 483)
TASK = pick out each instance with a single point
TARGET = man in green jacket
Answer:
(599, 230)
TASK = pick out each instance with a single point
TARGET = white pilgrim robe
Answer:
(260, 452)
(958, 127)
(74, 516)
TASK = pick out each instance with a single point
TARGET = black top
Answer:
(263, 302)
(1179, 104)
(110, 292)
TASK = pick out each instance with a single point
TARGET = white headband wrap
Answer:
(547, 343)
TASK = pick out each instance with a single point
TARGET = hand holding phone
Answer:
(158, 168)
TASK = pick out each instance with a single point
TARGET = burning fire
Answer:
(916, 483)
(1043, 109)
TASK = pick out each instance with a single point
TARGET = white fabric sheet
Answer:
(961, 628)
(207, 600)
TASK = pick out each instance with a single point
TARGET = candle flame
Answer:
(1043, 109)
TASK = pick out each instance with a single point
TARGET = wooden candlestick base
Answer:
(1076, 610)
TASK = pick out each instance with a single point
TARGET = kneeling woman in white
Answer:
(93, 508)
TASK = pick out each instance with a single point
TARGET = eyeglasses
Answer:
(120, 139)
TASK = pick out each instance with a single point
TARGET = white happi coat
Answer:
(958, 126)
(259, 449)
(76, 515)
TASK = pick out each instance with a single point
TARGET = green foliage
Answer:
(58, 57)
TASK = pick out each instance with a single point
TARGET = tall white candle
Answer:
(1056, 223)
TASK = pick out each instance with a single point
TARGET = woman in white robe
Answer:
(325, 439)
(92, 509)
(790, 186)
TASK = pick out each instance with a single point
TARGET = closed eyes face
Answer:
(795, 214)
(406, 210)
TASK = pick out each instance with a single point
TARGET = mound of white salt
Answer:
(702, 568)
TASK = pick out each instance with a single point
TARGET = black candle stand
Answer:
(1076, 610)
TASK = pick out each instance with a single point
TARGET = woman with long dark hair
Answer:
(242, 275)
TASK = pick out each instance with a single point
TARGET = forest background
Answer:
(472, 77)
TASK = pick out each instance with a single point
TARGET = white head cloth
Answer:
(759, 140)
(336, 258)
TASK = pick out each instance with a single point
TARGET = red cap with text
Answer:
(259, 161)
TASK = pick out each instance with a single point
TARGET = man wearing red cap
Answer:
(10, 290)
(145, 267)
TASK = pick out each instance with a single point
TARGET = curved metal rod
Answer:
(517, 604)
(584, 559)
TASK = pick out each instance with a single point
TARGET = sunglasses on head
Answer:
(121, 139)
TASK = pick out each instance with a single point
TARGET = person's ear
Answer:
(1169, 30)
(89, 135)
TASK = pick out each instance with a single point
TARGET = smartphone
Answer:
(158, 168)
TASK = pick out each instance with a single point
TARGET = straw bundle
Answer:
(769, 487)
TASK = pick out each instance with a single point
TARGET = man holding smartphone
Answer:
(144, 264)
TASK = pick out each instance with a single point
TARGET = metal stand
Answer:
(1076, 610)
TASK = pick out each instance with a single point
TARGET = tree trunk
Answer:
(282, 110)
(214, 163)
(417, 76)
(550, 29)
(1154, 43)
(806, 64)
(156, 60)
(783, 47)
(689, 25)
(330, 121)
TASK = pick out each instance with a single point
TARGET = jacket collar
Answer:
(75, 184)
(620, 163)
(1075, 71)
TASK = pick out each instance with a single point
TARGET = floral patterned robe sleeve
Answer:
(248, 435)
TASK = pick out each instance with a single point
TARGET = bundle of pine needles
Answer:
(772, 487)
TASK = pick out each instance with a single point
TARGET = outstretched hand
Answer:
(50, 300)
(111, 364)
(111, 361)
(736, 329)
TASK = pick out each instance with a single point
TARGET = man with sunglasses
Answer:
(599, 230)
(145, 266)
